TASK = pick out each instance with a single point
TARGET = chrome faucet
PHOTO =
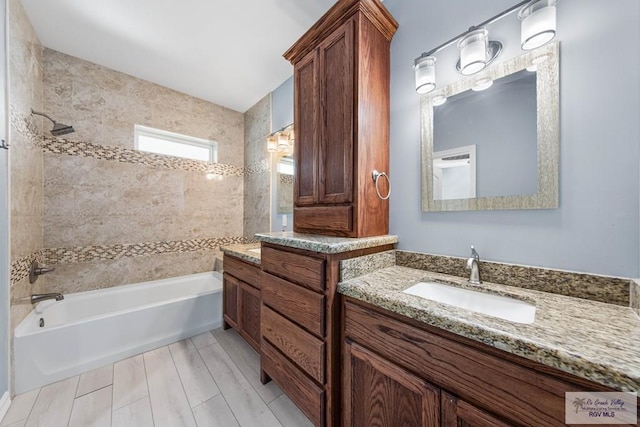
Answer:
(36, 298)
(472, 264)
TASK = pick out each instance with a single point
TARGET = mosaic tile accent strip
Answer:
(635, 296)
(611, 290)
(116, 251)
(50, 144)
(20, 267)
(286, 179)
(24, 126)
(125, 155)
(256, 168)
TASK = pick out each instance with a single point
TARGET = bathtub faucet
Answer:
(36, 298)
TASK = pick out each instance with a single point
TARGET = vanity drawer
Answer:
(246, 272)
(306, 394)
(300, 269)
(299, 304)
(301, 347)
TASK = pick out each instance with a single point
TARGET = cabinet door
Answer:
(458, 413)
(249, 319)
(379, 393)
(230, 300)
(306, 120)
(337, 116)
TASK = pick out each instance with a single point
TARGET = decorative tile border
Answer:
(23, 125)
(20, 267)
(52, 256)
(286, 179)
(611, 290)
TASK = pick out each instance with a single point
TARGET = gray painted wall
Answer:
(281, 116)
(4, 214)
(596, 228)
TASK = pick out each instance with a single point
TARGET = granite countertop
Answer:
(325, 244)
(590, 339)
(249, 252)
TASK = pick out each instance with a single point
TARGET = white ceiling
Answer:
(225, 51)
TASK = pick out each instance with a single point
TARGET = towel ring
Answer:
(375, 175)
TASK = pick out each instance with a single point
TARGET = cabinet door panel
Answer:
(230, 300)
(249, 321)
(336, 129)
(383, 394)
(306, 120)
(458, 413)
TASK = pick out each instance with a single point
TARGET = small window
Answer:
(174, 144)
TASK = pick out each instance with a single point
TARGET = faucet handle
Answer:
(474, 254)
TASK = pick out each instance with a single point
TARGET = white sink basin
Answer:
(505, 308)
(256, 250)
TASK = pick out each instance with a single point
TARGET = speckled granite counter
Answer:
(248, 252)
(590, 339)
(325, 244)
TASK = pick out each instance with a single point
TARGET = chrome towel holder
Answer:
(375, 175)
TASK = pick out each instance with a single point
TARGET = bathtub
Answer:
(90, 329)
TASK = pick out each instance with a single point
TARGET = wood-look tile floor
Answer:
(209, 380)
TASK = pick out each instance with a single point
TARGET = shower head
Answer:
(58, 128)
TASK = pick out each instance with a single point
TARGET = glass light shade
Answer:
(425, 70)
(473, 51)
(482, 84)
(538, 25)
(439, 100)
(272, 144)
(283, 141)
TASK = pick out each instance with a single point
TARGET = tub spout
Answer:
(36, 298)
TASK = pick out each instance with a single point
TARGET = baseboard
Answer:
(5, 402)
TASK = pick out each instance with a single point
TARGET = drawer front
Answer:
(300, 388)
(462, 370)
(299, 304)
(296, 268)
(325, 218)
(244, 271)
(301, 347)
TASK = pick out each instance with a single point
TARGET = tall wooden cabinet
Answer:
(341, 111)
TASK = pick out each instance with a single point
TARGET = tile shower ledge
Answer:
(325, 244)
(593, 340)
(243, 252)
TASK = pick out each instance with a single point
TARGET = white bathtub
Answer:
(90, 329)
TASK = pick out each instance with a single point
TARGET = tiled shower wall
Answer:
(257, 194)
(115, 216)
(25, 156)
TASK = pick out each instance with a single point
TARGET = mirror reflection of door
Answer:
(284, 189)
(454, 173)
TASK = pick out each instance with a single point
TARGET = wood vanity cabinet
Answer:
(341, 112)
(301, 327)
(241, 299)
(397, 371)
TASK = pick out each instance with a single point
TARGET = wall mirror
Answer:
(284, 183)
(493, 143)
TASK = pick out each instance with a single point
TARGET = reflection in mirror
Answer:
(509, 115)
(284, 188)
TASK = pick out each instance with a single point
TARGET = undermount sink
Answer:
(499, 306)
(256, 250)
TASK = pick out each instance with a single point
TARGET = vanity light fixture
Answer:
(482, 84)
(477, 51)
(538, 25)
(281, 140)
(425, 69)
(439, 100)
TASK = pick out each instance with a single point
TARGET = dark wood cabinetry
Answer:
(400, 372)
(341, 111)
(242, 299)
(301, 327)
